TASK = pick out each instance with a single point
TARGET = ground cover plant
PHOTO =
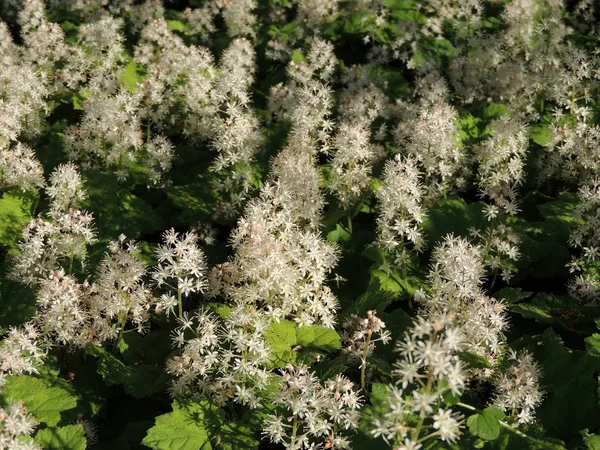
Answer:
(299, 224)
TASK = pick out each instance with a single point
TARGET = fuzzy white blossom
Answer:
(456, 279)
(19, 167)
(222, 360)
(181, 268)
(15, 424)
(427, 368)
(518, 389)
(308, 412)
(401, 210)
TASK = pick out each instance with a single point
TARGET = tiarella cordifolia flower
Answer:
(306, 100)
(109, 135)
(23, 93)
(359, 338)
(103, 41)
(401, 211)
(294, 187)
(119, 294)
(201, 20)
(235, 130)
(62, 238)
(66, 189)
(63, 315)
(362, 100)
(159, 152)
(360, 335)
(351, 163)
(181, 268)
(310, 414)
(20, 168)
(433, 141)
(500, 246)
(426, 370)
(15, 424)
(315, 13)
(238, 17)
(501, 163)
(570, 153)
(585, 237)
(223, 360)
(20, 351)
(44, 40)
(278, 266)
(456, 277)
(518, 390)
(90, 430)
(179, 83)
(205, 232)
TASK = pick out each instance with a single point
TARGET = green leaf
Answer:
(281, 337)
(318, 337)
(512, 295)
(570, 382)
(130, 76)
(546, 308)
(46, 404)
(453, 215)
(176, 25)
(338, 235)
(291, 343)
(152, 348)
(298, 57)
(475, 361)
(592, 344)
(197, 201)
(190, 426)
(70, 437)
(15, 211)
(221, 309)
(234, 436)
(486, 424)
(17, 300)
(140, 380)
(591, 441)
(116, 210)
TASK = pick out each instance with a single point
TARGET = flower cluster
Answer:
(64, 236)
(20, 168)
(401, 210)
(432, 140)
(426, 370)
(223, 360)
(456, 277)
(351, 163)
(360, 335)
(118, 292)
(20, 351)
(311, 414)
(518, 389)
(181, 267)
(15, 424)
(501, 163)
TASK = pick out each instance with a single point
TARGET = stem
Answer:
(179, 302)
(464, 405)
(294, 431)
(494, 279)
(363, 367)
(121, 325)
(488, 244)
(349, 223)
